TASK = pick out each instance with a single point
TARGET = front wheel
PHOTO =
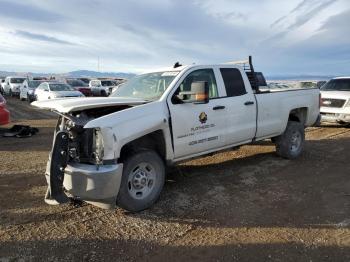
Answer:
(291, 143)
(142, 181)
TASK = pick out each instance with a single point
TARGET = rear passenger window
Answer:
(233, 81)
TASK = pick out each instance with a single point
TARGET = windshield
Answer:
(34, 83)
(60, 87)
(107, 83)
(337, 85)
(147, 86)
(76, 83)
(17, 80)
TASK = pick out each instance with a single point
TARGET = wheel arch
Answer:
(153, 141)
(298, 115)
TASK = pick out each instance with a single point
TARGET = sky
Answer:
(308, 37)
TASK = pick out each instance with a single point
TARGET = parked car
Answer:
(4, 113)
(2, 81)
(27, 89)
(12, 85)
(335, 100)
(42, 78)
(319, 84)
(52, 90)
(79, 85)
(102, 87)
(113, 151)
(84, 79)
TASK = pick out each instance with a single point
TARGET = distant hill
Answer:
(78, 73)
(87, 73)
(298, 77)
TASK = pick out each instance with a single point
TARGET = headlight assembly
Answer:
(98, 146)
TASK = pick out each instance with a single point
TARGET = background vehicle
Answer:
(4, 113)
(115, 149)
(12, 85)
(319, 84)
(102, 87)
(28, 88)
(2, 81)
(52, 90)
(84, 79)
(80, 86)
(335, 100)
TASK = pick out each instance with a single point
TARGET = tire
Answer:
(290, 144)
(142, 181)
(10, 93)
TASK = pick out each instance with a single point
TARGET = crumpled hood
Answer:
(66, 105)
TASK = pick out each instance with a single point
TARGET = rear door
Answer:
(197, 128)
(240, 106)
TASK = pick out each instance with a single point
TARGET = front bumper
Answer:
(335, 117)
(98, 185)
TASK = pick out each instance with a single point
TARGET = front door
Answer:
(197, 127)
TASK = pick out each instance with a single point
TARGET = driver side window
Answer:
(206, 75)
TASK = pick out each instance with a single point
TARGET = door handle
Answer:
(218, 107)
(248, 103)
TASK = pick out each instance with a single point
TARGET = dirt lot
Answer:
(244, 205)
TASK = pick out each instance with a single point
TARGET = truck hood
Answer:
(336, 94)
(67, 105)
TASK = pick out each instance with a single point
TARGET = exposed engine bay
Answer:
(85, 145)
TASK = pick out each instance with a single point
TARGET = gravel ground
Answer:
(243, 205)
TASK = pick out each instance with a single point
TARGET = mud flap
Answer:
(55, 170)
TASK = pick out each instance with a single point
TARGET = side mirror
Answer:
(199, 94)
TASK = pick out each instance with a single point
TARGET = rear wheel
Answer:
(142, 181)
(291, 143)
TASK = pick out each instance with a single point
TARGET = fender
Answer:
(130, 124)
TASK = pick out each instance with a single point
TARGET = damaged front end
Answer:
(82, 163)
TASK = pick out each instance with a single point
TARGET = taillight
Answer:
(320, 103)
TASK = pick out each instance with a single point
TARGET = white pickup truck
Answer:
(113, 151)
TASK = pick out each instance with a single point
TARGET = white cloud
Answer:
(58, 36)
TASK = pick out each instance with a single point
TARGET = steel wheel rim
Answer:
(295, 141)
(141, 180)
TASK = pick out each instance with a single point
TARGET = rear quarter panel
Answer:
(274, 109)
